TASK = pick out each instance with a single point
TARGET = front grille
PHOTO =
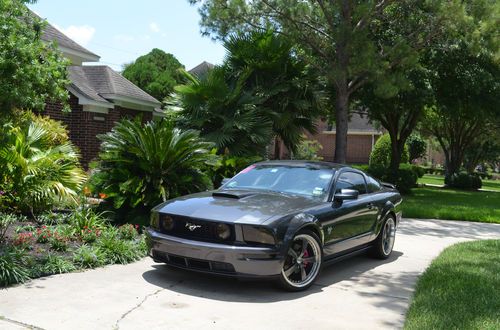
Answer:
(191, 263)
(202, 230)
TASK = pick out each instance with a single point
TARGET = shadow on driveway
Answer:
(234, 290)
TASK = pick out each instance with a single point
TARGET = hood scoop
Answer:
(232, 194)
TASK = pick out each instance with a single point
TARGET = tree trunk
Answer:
(277, 148)
(341, 124)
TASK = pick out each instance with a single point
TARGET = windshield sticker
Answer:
(248, 169)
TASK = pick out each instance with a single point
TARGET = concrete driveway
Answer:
(353, 294)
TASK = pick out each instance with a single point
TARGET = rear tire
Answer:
(383, 245)
(302, 263)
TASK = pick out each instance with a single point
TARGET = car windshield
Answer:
(310, 181)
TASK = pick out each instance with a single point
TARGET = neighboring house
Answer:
(99, 97)
(201, 69)
(361, 137)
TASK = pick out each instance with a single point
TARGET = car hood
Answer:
(236, 206)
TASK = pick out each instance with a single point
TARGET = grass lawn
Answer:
(459, 290)
(439, 180)
(451, 204)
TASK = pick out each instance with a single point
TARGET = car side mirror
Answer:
(346, 194)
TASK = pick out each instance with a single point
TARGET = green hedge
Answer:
(463, 180)
(405, 178)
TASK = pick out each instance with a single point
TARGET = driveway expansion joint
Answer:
(124, 315)
(26, 325)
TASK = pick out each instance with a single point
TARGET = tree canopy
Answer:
(349, 42)
(157, 73)
(31, 70)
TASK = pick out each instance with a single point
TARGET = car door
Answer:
(349, 223)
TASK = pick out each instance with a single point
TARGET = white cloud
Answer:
(154, 27)
(80, 34)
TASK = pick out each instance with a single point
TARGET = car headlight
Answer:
(258, 235)
(167, 222)
(155, 220)
(223, 231)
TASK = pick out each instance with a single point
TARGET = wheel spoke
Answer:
(309, 259)
(302, 272)
(305, 244)
(293, 253)
(290, 270)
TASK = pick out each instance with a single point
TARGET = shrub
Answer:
(404, 179)
(5, 221)
(90, 235)
(308, 150)
(418, 170)
(463, 180)
(12, 268)
(24, 240)
(54, 264)
(381, 153)
(416, 146)
(116, 250)
(38, 171)
(88, 257)
(140, 166)
(128, 231)
(86, 218)
(58, 242)
(52, 218)
(43, 234)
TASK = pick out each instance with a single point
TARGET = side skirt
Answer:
(344, 256)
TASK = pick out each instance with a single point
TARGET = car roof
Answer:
(304, 163)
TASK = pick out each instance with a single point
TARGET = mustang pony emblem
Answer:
(191, 226)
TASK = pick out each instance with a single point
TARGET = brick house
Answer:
(99, 97)
(361, 137)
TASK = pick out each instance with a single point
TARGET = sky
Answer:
(121, 31)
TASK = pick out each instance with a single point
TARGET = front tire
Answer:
(302, 263)
(383, 245)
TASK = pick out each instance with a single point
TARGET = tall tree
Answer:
(156, 72)
(31, 71)
(399, 114)
(467, 92)
(337, 37)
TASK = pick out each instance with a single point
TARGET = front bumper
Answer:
(229, 260)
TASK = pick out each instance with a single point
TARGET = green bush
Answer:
(118, 251)
(404, 179)
(88, 257)
(12, 268)
(54, 264)
(419, 171)
(463, 180)
(381, 153)
(140, 166)
(128, 231)
(416, 147)
(86, 218)
(308, 150)
(37, 168)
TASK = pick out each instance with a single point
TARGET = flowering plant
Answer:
(24, 240)
(58, 242)
(43, 234)
(89, 235)
(128, 231)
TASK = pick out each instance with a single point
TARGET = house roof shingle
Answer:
(201, 69)
(100, 82)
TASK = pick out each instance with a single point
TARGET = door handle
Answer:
(370, 206)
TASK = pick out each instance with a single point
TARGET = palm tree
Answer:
(226, 113)
(39, 170)
(293, 99)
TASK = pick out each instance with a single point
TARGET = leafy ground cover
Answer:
(459, 290)
(452, 204)
(64, 243)
(439, 180)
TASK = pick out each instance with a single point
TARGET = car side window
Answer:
(351, 180)
(373, 185)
